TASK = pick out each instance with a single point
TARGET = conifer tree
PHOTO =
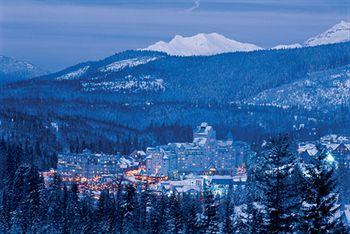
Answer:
(173, 215)
(227, 222)
(250, 218)
(88, 219)
(55, 210)
(276, 180)
(192, 220)
(141, 205)
(128, 207)
(210, 221)
(5, 211)
(73, 209)
(27, 188)
(156, 215)
(320, 206)
(65, 221)
(104, 210)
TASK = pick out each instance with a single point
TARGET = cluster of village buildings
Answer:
(337, 146)
(200, 161)
(183, 167)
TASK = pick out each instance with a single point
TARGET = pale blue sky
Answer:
(58, 33)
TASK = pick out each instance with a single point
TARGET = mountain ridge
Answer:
(336, 34)
(154, 76)
(318, 90)
(201, 45)
(12, 70)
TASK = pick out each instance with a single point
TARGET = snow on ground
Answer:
(74, 74)
(318, 90)
(128, 84)
(119, 65)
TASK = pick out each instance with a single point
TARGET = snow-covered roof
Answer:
(141, 152)
(333, 138)
(224, 143)
(186, 189)
(201, 141)
(310, 148)
(331, 142)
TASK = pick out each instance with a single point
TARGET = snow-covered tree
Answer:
(88, 219)
(210, 219)
(128, 207)
(27, 186)
(104, 211)
(192, 219)
(54, 205)
(320, 208)
(228, 213)
(156, 214)
(276, 180)
(73, 209)
(173, 216)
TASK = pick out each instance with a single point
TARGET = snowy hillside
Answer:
(224, 77)
(126, 85)
(105, 69)
(319, 90)
(201, 44)
(113, 74)
(14, 70)
(338, 33)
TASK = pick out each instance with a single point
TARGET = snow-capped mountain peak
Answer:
(12, 70)
(338, 33)
(9, 65)
(201, 44)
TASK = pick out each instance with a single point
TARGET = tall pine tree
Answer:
(320, 207)
(276, 180)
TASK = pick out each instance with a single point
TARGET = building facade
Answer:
(204, 155)
(86, 165)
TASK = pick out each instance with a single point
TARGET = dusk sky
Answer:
(54, 34)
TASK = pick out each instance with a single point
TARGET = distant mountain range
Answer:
(146, 79)
(201, 44)
(214, 43)
(14, 70)
(249, 89)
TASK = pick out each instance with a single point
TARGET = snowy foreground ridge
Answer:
(214, 43)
